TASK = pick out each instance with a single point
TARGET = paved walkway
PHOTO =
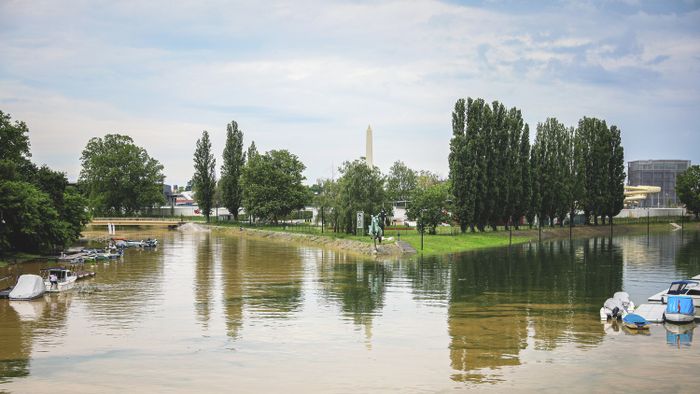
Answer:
(405, 247)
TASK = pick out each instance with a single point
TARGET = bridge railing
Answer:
(136, 219)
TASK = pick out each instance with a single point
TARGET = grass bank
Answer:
(450, 240)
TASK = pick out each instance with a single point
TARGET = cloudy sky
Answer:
(310, 76)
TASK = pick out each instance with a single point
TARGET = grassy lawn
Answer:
(448, 243)
(449, 240)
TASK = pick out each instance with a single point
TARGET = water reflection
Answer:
(679, 334)
(499, 299)
(358, 288)
(465, 319)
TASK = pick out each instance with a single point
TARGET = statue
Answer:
(375, 230)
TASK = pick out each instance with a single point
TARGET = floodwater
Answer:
(212, 312)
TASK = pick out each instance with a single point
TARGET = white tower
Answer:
(369, 154)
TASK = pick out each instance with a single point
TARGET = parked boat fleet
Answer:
(59, 279)
(674, 305)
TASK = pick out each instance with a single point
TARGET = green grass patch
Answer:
(448, 243)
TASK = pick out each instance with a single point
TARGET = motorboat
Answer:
(150, 243)
(687, 287)
(28, 287)
(679, 309)
(65, 279)
(634, 321)
(616, 307)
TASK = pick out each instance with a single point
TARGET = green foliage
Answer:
(360, 188)
(429, 206)
(234, 159)
(204, 178)
(688, 189)
(119, 177)
(497, 177)
(272, 185)
(400, 182)
(37, 210)
(488, 170)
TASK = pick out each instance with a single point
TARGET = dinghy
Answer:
(635, 322)
(679, 309)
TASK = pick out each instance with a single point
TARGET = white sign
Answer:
(360, 219)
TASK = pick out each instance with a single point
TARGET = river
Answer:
(211, 312)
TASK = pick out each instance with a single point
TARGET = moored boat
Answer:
(635, 322)
(616, 307)
(28, 287)
(59, 279)
(679, 309)
(687, 287)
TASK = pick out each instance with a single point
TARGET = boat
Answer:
(635, 322)
(679, 309)
(28, 287)
(687, 287)
(65, 279)
(150, 243)
(617, 306)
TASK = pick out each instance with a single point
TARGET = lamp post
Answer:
(422, 227)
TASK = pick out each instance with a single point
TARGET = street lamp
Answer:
(422, 227)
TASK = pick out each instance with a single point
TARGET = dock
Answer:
(653, 313)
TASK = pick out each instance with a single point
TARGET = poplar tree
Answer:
(616, 171)
(234, 159)
(523, 193)
(204, 179)
(459, 168)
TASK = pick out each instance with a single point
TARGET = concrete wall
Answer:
(652, 212)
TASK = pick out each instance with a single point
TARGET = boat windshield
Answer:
(676, 288)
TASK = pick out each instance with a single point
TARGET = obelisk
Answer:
(369, 155)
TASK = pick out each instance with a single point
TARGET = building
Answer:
(661, 173)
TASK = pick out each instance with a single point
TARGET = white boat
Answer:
(679, 309)
(687, 287)
(616, 307)
(65, 279)
(28, 287)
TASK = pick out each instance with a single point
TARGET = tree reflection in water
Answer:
(505, 299)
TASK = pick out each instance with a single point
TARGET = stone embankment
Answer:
(386, 249)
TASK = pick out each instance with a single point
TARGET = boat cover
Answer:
(680, 304)
(634, 318)
(623, 297)
(28, 286)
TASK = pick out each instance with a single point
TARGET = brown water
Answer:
(213, 312)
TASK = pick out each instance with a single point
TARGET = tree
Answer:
(119, 177)
(360, 188)
(38, 211)
(616, 174)
(400, 182)
(272, 185)
(234, 159)
(688, 189)
(204, 178)
(429, 206)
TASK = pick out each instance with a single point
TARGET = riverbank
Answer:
(444, 242)
(353, 246)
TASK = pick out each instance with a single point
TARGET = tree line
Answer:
(497, 178)
(269, 186)
(39, 210)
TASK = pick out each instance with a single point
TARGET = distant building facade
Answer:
(661, 173)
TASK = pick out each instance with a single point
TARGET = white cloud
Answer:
(310, 76)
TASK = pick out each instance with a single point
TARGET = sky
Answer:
(310, 76)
